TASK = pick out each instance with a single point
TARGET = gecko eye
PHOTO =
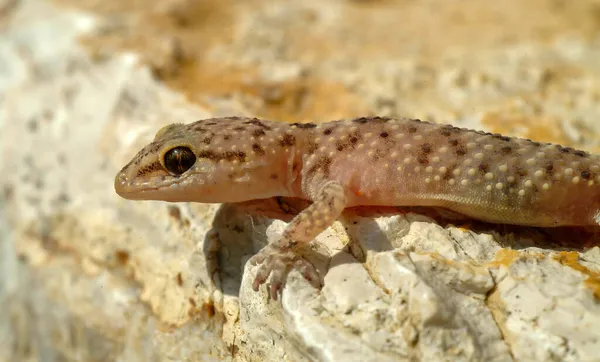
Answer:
(179, 159)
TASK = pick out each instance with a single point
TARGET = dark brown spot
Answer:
(258, 150)
(324, 161)
(207, 140)
(122, 256)
(288, 140)
(258, 123)
(460, 151)
(258, 133)
(323, 164)
(274, 176)
(209, 308)
(234, 155)
(227, 137)
(153, 167)
(585, 174)
(565, 149)
(211, 123)
(506, 150)
(155, 146)
(412, 129)
(295, 166)
(151, 148)
(228, 155)
(179, 279)
(580, 153)
(340, 146)
(304, 125)
(361, 120)
(501, 137)
(453, 142)
(448, 174)
(378, 155)
(353, 139)
(448, 129)
(549, 166)
(312, 147)
(380, 119)
(199, 128)
(536, 144)
(521, 171)
(384, 134)
(422, 159)
(484, 167)
(208, 154)
(284, 205)
(426, 148)
(174, 212)
(328, 131)
(239, 129)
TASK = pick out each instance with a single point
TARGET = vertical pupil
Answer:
(179, 160)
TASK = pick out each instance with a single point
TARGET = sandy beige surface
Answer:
(441, 60)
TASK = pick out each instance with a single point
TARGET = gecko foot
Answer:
(279, 264)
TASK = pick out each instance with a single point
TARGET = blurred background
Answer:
(85, 83)
(520, 67)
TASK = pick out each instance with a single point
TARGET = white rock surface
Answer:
(86, 275)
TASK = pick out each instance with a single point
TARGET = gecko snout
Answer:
(121, 182)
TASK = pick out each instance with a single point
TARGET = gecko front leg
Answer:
(281, 257)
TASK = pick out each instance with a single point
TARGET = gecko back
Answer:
(404, 162)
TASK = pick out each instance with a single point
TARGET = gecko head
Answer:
(183, 164)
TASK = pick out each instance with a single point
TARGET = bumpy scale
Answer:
(364, 161)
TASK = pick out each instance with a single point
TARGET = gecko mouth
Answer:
(156, 188)
(129, 189)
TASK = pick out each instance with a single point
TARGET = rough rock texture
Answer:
(86, 275)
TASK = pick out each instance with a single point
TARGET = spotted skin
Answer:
(365, 161)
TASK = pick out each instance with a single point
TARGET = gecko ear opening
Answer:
(178, 160)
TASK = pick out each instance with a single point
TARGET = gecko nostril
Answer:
(120, 182)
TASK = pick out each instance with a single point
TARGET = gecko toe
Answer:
(259, 280)
(278, 265)
(309, 272)
(258, 258)
(262, 274)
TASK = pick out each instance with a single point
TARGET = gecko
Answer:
(368, 161)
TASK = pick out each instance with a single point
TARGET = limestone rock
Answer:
(89, 276)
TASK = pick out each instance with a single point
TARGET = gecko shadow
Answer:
(238, 231)
(371, 236)
(240, 237)
(517, 237)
